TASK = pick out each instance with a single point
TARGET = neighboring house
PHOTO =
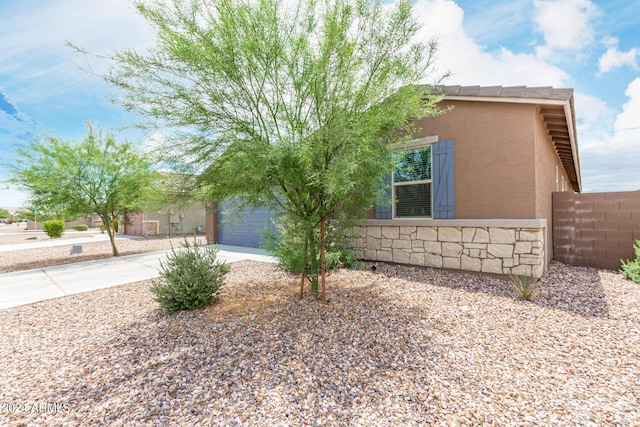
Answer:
(472, 191)
(170, 222)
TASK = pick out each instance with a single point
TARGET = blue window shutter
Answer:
(444, 200)
(385, 212)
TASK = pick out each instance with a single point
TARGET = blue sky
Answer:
(591, 46)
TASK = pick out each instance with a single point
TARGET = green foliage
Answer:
(525, 286)
(631, 269)
(4, 213)
(287, 104)
(96, 175)
(189, 278)
(53, 228)
(81, 227)
(287, 246)
(32, 238)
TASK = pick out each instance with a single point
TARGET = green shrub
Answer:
(104, 227)
(80, 227)
(189, 278)
(287, 246)
(53, 228)
(631, 269)
(526, 287)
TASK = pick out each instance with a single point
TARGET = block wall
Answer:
(595, 229)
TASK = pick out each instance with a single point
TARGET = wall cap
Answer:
(494, 222)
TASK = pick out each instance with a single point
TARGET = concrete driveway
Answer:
(29, 286)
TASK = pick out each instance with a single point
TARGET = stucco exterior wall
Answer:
(179, 222)
(135, 226)
(494, 157)
(549, 177)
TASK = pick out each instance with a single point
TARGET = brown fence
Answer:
(595, 229)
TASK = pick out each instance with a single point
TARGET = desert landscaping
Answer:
(396, 346)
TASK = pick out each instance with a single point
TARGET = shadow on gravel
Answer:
(279, 361)
(576, 290)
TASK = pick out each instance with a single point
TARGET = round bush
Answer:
(53, 228)
(189, 278)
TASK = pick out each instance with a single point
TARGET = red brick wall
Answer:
(595, 229)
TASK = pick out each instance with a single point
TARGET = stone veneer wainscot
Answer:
(500, 246)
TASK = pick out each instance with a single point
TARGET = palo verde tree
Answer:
(98, 175)
(287, 104)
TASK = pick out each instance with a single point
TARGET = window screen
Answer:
(412, 183)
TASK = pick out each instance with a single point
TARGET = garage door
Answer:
(242, 228)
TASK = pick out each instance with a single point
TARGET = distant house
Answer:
(477, 196)
(171, 221)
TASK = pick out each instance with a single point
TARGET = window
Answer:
(412, 183)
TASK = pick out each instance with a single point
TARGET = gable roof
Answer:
(556, 108)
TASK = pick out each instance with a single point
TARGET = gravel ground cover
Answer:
(398, 346)
(25, 259)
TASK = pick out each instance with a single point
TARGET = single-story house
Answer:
(484, 203)
(478, 195)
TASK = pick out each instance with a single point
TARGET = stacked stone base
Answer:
(487, 246)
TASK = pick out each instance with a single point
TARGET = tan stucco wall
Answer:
(546, 164)
(494, 157)
(192, 216)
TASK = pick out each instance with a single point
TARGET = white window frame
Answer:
(412, 145)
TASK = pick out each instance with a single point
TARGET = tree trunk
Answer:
(322, 261)
(304, 265)
(110, 226)
(314, 262)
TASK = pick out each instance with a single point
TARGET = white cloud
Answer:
(594, 120)
(33, 44)
(628, 122)
(610, 144)
(154, 142)
(470, 63)
(566, 25)
(12, 198)
(613, 59)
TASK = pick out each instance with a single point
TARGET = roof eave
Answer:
(569, 111)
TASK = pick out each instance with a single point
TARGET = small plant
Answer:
(53, 228)
(631, 269)
(189, 278)
(360, 265)
(525, 286)
(32, 238)
(80, 227)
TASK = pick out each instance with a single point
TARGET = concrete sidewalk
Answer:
(89, 238)
(29, 286)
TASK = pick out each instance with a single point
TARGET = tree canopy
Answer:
(97, 175)
(287, 104)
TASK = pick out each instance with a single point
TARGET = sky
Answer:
(592, 46)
